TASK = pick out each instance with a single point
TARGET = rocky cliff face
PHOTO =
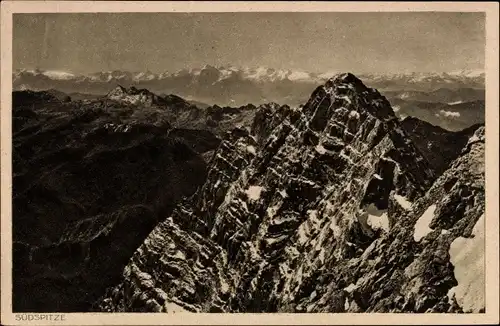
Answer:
(439, 146)
(327, 208)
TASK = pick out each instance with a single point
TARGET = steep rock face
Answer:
(320, 210)
(89, 184)
(267, 118)
(411, 269)
(439, 146)
(190, 264)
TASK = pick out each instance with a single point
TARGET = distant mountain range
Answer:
(453, 100)
(236, 86)
(259, 74)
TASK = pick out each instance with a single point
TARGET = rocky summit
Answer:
(331, 207)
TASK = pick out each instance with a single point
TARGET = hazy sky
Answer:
(317, 42)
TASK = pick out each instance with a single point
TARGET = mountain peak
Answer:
(345, 78)
(346, 92)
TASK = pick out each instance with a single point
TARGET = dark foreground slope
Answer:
(331, 208)
(90, 181)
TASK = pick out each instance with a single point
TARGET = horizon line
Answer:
(240, 68)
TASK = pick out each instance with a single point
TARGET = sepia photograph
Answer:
(255, 162)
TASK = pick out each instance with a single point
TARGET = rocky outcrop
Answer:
(134, 96)
(331, 208)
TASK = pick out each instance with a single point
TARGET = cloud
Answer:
(448, 114)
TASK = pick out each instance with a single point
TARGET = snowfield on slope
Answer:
(403, 202)
(467, 255)
(377, 219)
(422, 226)
(253, 192)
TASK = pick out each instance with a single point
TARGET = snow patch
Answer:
(224, 286)
(353, 115)
(283, 193)
(346, 304)
(350, 288)
(320, 149)
(467, 255)
(377, 219)
(251, 149)
(179, 254)
(403, 202)
(253, 192)
(422, 226)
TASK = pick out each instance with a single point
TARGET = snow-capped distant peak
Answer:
(144, 76)
(299, 75)
(58, 74)
(259, 73)
(210, 74)
(327, 75)
(470, 73)
(265, 74)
